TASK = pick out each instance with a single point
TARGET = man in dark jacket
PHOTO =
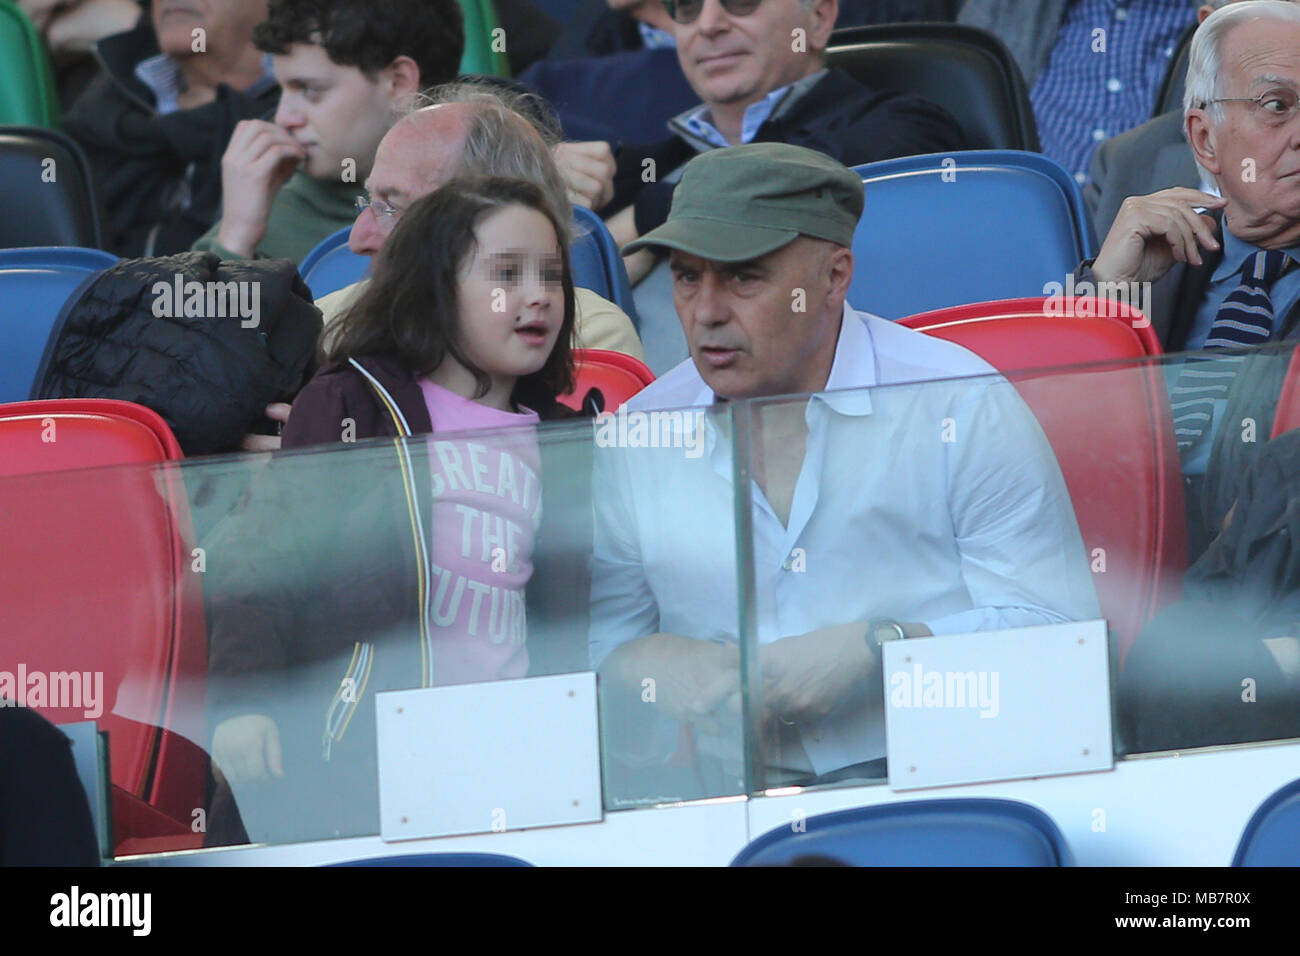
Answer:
(606, 27)
(762, 78)
(157, 119)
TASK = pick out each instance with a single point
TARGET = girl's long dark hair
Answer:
(410, 305)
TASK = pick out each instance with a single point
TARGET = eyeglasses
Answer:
(1272, 108)
(385, 215)
(688, 11)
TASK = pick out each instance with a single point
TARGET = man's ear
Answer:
(1200, 134)
(839, 266)
(824, 14)
(404, 75)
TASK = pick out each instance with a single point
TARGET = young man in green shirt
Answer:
(347, 69)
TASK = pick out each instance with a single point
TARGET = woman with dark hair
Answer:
(406, 564)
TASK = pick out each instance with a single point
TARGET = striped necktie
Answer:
(1245, 319)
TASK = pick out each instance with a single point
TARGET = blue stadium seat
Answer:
(35, 284)
(948, 229)
(332, 265)
(1272, 837)
(47, 191)
(440, 859)
(964, 69)
(597, 264)
(956, 832)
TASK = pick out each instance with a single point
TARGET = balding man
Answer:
(470, 130)
(1222, 268)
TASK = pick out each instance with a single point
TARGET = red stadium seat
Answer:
(101, 582)
(618, 376)
(1287, 414)
(1110, 427)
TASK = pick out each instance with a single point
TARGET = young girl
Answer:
(408, 561)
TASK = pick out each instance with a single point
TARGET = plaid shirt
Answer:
(1087, 92)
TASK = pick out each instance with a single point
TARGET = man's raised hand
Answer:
(1151, 233)
(258, 161)
(588, 171)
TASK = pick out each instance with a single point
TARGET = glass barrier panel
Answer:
(664, 611)
(227, 621)
(978, 504)
(235, 616)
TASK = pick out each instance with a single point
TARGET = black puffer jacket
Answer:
(202, 365)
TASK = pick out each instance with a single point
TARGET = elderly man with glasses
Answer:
(1222, 269)
(758, 66)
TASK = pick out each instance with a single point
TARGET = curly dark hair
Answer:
(370, 34)
(410, 306)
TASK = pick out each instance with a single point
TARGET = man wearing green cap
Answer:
(895, 512)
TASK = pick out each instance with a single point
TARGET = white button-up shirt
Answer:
(939, 502)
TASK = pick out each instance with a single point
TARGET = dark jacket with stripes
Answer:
(314, 597)
(1252, 398)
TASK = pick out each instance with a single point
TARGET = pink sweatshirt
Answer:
(486, 508)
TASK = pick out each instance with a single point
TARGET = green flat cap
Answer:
(742, 202)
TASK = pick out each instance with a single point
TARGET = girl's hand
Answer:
(277, 412)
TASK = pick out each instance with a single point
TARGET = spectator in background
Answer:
(470, 130)
(71, 28)
(157, 119)
(1226, 278)
(1147, 158)
(760, 81)
(347, 70)
(604, 27)
(1093, 66)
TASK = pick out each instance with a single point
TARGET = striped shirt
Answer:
(1226, 278)
(1103, 74)
(652, 38)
